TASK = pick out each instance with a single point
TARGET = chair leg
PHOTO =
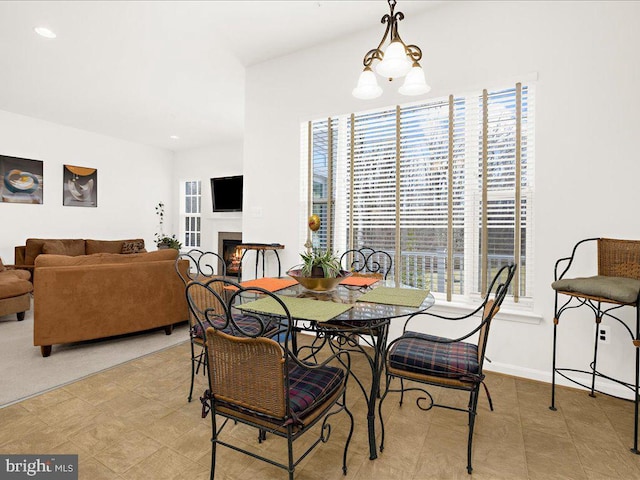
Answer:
(290, 452)
(473, 405)
(213, 445)
(346, 445)
(193, 372)
(595, 353)
(384, 395)
(553, 363)
(635, 393)
(486, 390)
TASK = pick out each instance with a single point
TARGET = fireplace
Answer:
(228, 249)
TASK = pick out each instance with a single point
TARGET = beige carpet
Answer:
(24, 372)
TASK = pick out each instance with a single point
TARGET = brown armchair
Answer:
(15, 291)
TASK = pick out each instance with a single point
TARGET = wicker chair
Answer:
(616, 285)
(367, 262)
(444, 362)
(202, 266)
(260, 382)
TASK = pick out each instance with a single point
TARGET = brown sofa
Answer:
(15, 290)
(25, 255)
(106, 294)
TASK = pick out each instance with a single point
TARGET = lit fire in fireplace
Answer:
(233, 265)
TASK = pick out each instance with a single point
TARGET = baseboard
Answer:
(603, 385)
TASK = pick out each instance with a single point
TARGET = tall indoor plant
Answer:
(162, 240)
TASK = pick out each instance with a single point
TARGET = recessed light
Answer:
(45, 32)
(174, 137)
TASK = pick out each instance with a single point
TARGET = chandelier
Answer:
(398, 60)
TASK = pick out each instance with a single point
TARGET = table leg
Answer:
(342, 338)
(376, 371)
(378, 337)
(278, 258)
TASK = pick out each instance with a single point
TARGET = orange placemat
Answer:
(359, 281)
(271, 284)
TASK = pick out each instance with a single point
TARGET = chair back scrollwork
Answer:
(366, 261)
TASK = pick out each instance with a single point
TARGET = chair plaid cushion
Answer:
(249, 325)
(423, 355)
(310, 387)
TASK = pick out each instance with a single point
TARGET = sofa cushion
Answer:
(12, 286)
(133, 246)
(105, 258)
(34, 247)
(59, 247)
(107, 246)
(21, 274)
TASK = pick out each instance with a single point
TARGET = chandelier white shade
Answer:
(414, 82)
(397, 60)
(367, 87)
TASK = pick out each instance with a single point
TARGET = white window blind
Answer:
(445, 186)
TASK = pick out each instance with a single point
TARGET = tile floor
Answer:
(133, 422)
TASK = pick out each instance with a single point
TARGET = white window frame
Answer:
(471, 246)
(185, 200)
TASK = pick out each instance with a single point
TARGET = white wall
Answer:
(220, 160)
(585, 56)
(132, 179)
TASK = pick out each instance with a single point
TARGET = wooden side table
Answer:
(260, 249)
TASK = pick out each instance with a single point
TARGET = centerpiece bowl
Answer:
(318, 284)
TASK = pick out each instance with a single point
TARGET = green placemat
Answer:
(406, 297)
(303, 308)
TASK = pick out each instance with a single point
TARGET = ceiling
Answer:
(144, 71)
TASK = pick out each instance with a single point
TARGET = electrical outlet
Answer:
(604, 333)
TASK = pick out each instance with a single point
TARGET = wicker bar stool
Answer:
(616, 285)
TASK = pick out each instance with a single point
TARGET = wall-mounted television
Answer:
(226, 194)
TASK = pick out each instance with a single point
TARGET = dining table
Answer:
(354, 317)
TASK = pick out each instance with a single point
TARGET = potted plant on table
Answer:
(320, 263)
(320, 270)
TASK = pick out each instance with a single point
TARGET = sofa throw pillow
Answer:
(2, 267)
(59, 247)
(135, 246)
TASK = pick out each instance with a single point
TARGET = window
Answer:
(191, 213)
(445, 186)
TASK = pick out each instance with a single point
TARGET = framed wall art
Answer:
(22, 180)
(80, 186)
